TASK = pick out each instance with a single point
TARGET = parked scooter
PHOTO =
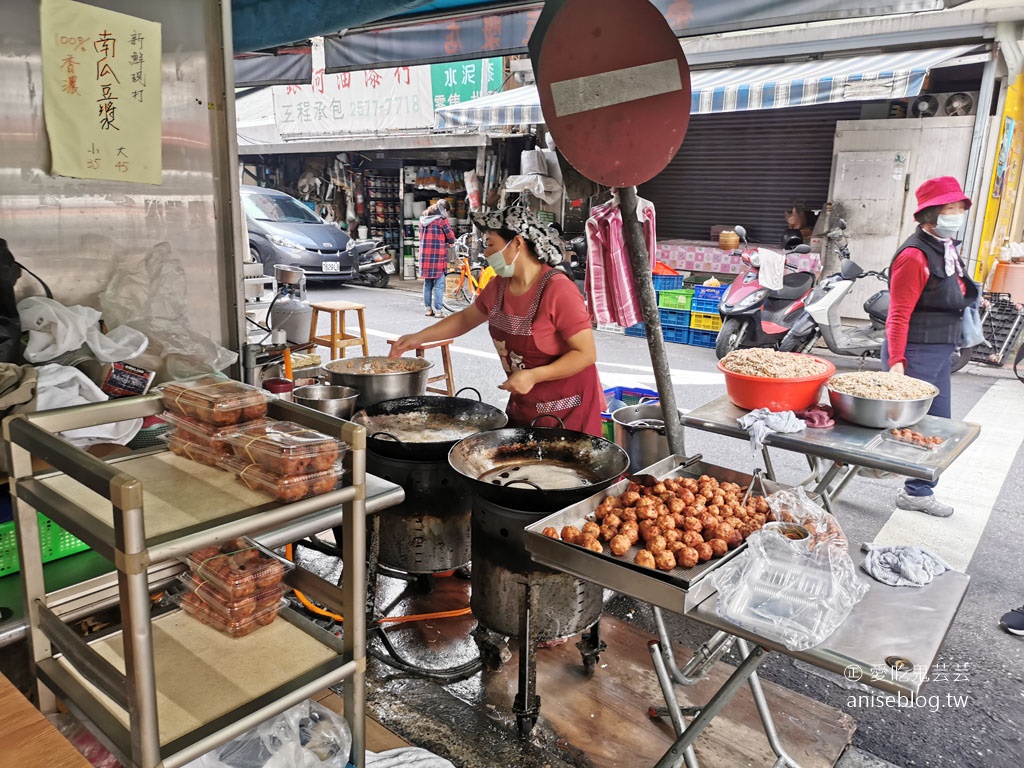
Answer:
(376, 265)
(578, 257)
(821, 318)
(755, 316)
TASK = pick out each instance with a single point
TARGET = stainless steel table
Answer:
(836, 454)
(77, 598)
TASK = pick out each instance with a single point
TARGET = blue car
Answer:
(284, 231)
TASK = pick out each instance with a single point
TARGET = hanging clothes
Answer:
(611, 290)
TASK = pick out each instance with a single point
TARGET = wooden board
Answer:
(378, 738)
(30, 741)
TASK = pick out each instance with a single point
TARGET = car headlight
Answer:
(285, 243)
(755, 298)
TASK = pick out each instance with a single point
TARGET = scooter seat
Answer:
(794, 285)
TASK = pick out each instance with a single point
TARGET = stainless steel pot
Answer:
(640, 432)
(880, 414)
(334, 401)
(380, 378)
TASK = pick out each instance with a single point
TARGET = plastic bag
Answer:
(306, 736)
(150, 296)
(971, 332)
(793, 592)
(83, 740)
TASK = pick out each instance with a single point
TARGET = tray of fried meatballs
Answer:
(235, 588)
(679, 526)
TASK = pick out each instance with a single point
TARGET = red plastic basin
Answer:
(752, 392)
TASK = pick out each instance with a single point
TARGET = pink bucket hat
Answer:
(940, 191)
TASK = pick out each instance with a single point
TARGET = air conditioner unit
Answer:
(953, 104)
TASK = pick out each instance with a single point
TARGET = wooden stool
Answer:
(339, 340)
(446, 362)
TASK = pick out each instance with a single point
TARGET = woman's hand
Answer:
(403, 344)
(897, 368)
(519, 383)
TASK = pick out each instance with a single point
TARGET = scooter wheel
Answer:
(731, 336)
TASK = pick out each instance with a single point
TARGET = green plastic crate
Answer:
(55, 543)
(679, 299)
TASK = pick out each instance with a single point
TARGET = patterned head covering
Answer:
(545, 240)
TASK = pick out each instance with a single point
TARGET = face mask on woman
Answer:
(949, 224)
(499, 265)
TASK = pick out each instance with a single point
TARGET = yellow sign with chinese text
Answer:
(101, 93)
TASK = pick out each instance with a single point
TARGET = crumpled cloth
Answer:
(406, 757)
(60, 386)
(903, 566)
(762, 422)
(771, 268)
(817, 416)
(54, 329)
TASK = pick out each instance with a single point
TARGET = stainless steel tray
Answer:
(677, 590)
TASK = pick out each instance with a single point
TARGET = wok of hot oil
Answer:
(547, 475)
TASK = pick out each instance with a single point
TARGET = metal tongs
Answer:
(755, 478)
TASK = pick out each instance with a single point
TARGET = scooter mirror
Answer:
(741, 231)
(849, 269)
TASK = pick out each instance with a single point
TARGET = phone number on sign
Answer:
(396, 105)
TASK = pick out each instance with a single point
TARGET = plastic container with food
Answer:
(286, 448)
(239, 626)
(201, 433)
(180, 444)
(286, 488)
(238, 568)
(215, 401)
(222, 603)
(778, 381)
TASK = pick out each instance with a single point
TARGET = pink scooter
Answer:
(754, 316)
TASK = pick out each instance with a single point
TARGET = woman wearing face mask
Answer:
(538, 322)
(929, 289)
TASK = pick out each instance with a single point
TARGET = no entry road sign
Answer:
(614, 86)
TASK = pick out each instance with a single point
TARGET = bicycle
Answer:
(463, 284)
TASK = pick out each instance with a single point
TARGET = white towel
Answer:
(406, 757)
(902, 566)
(772, 268)
(60, 386)
(54, 329)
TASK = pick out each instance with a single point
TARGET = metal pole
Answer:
(639, 260)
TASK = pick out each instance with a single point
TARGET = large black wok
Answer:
(425, 428)
(505, 458)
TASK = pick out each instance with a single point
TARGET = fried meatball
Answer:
(601, 511)
(724, 531)
(714, 509)
(630, 498)
(719, 547)
(591, 529)
(692, 538)
(628, 514)
(680, 521)
(707, 520)
(676, 506)
(551, 533)
(673, 534)
(570, 534)
(674, 548)
(692, 524)
(704, 552)
(590, 542)
(631, 531)
(646, 513)
(649, 532)
(657, 545)
(687, 497)
(665, 561)
(613, 520)
(608, 532)
(666, 522)
(688, 557)
(614, 502)
(619, 545)
(644, 558)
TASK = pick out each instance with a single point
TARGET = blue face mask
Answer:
(949, 224)
(497, 262)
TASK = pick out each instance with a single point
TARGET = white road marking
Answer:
(605, 89)
(972, 484)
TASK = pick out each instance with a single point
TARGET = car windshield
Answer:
(277, 208)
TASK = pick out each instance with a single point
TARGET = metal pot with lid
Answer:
(640, 431)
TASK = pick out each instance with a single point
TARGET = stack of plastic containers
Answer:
(234, 588)
(223, 424)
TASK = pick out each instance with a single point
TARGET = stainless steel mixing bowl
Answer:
(881, 414)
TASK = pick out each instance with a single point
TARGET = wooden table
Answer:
(30, 741)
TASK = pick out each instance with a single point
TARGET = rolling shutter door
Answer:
(744, 168)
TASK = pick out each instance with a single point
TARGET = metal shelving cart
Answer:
(165, 689)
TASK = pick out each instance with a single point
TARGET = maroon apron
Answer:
(576, 400)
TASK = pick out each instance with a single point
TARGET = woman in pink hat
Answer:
(929, 290)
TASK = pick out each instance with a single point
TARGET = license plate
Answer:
(389, 268)
(331, 266)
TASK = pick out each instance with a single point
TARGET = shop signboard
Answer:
(617, 99)
(365, 102)
(459, 81)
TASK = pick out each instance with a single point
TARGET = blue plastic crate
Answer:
(636, 330)
(709, 292)
(628, 395)
(668, 282)
(674, 318)
(703, 338)
(676, 335)
(707, 306)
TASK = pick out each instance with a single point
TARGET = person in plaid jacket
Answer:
(435, 237)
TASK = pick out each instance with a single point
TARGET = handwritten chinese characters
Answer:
(101, 81)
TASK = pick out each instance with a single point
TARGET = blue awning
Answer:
(773, 86)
